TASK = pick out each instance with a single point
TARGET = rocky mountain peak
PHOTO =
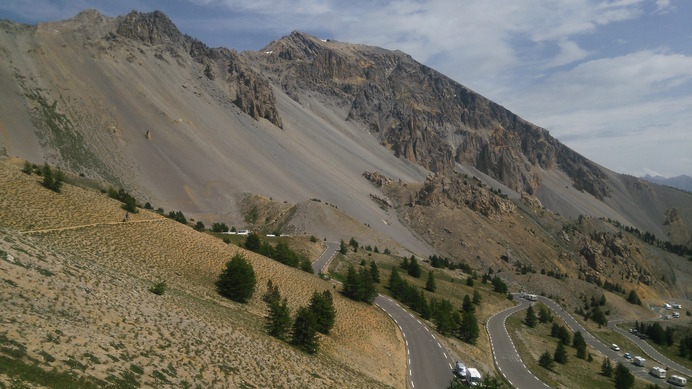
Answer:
(423, 116)
(153, 28)
(297, 46)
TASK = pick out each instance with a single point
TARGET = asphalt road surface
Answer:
(428, 364)
(506, 357)
(320, 265)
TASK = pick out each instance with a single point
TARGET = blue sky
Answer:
(611, 79)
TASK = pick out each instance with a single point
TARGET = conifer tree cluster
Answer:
(447, 319)
(280, 253)
(303, 331)
(359, 285)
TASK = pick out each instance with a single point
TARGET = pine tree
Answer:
(306, 265)
(252, 242)
(322, 306)
(544, 315)
(623, 377)
(351, 284)
(304, 333)
(607, 367)
(354, 244)
(395, 283)
(430, 283)
(530, 318)
(272, 294)
(468, 331)
(560, 355)
(342, 247)
(52, 180)
(279, 319)
(546, 361)
(467, 305)
(476, 297)
(237, 281)
(414, 269)
(423, 307)
(374, 272)
(366, 286)
(580, 344)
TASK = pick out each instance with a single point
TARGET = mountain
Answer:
(680, 182)
(133, 102)
(322, 140)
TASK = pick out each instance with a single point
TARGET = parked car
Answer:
(615, 347)
(460, 370)
(627, 356)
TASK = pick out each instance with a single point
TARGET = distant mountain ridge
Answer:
(302, 118)
(681, 182)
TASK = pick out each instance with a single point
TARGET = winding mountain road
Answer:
(506, 357)
(649, 350)
(509, 362)
(428, 364)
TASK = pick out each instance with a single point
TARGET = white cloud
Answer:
(570, 52)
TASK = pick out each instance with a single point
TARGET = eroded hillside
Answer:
(76, 300)
(465, 220)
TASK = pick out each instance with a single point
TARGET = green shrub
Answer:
(546, 361)
(52, 180)
(159, 288)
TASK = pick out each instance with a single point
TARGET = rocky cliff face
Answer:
(454, 192)
(422, 115)
(248, 90)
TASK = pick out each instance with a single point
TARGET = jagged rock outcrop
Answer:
(377, 178)
(604, 250)
(454, 192)
(422, 115)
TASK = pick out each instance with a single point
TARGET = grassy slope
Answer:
(576, 373)
(93, 297)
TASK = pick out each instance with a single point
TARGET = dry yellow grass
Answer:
(97, 298)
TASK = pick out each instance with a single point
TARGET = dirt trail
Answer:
(89, 225)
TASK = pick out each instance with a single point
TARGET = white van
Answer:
(677, 380)
(473, 377)
(658, 372)
(676, 314)
(531, 297)
(639, 361)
